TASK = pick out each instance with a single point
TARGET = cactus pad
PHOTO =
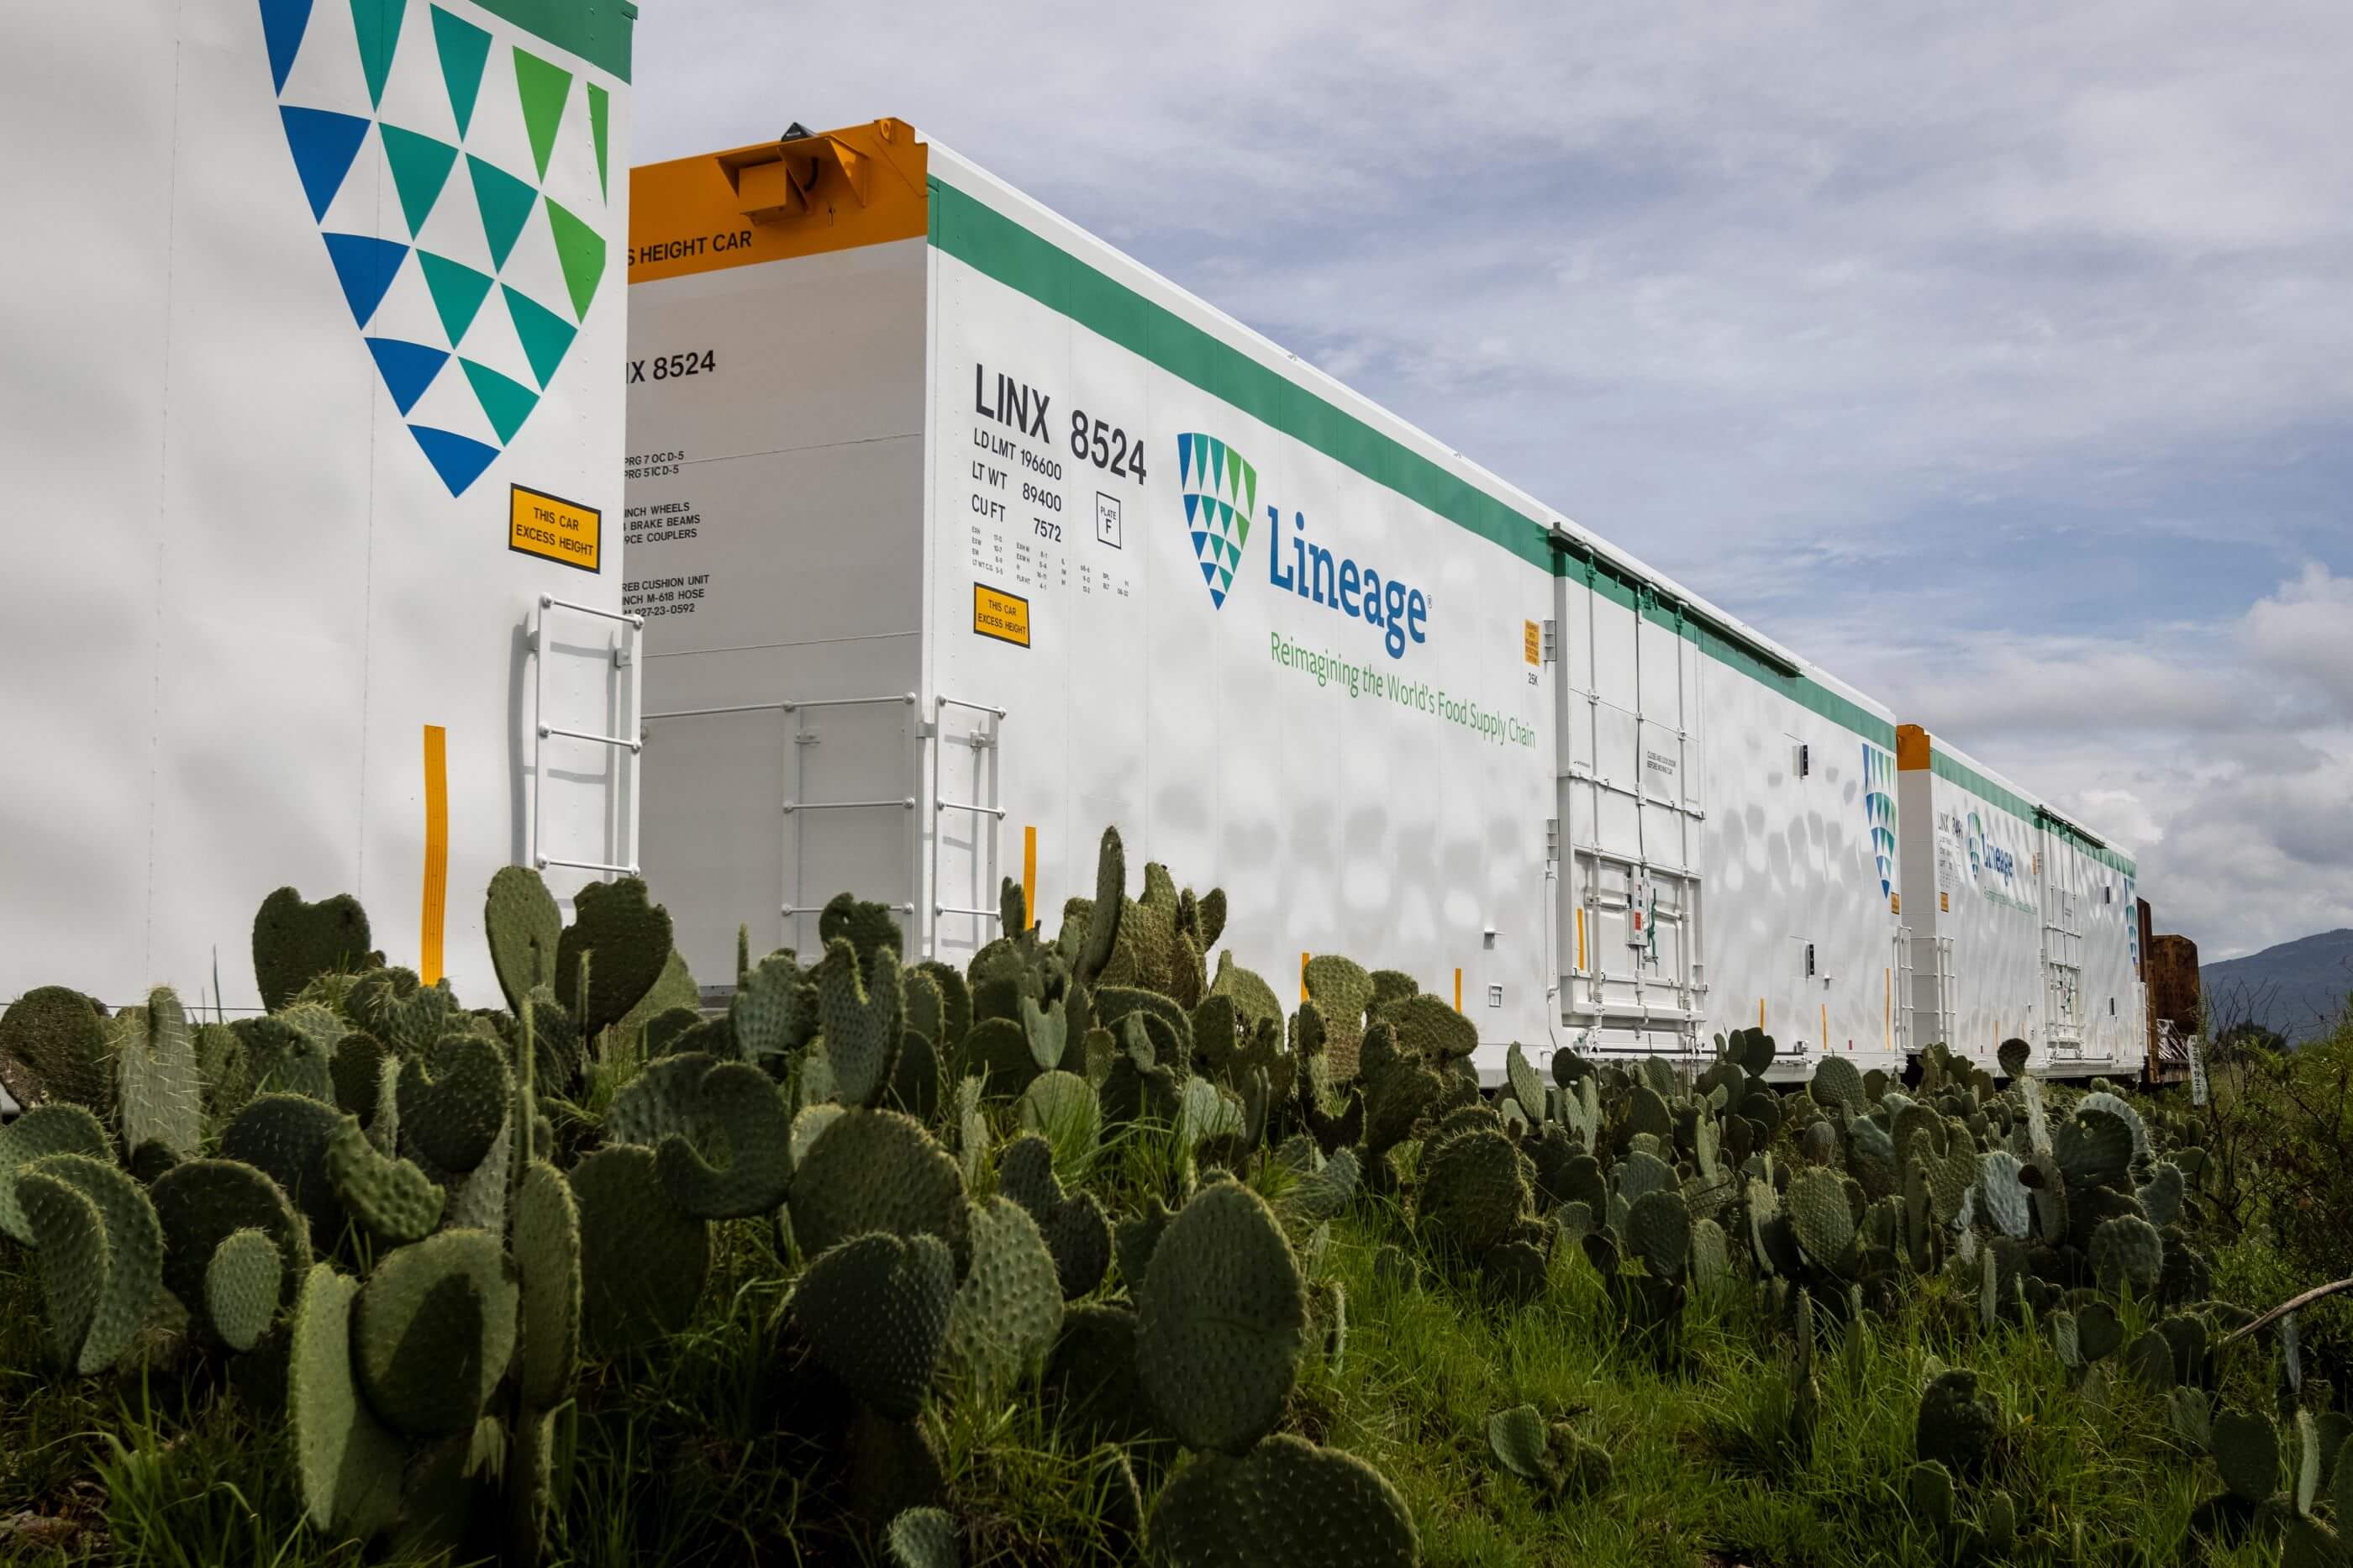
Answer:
(1520, 1440)
(1819, 1214)
(1837, 1082)
(631, 939)
(876, 1311)
(242, 1285)
(394, 1200)
(524, 925)
(1064, 1108)
(157, 1089)
(643, 1261)
(433, 1331)
(861, 1018)
(1473, 1191)
(921, 1537)
(452, 1114)
(61, 1128)
(1010, 1307)
(284, 1136)
(741, 1114)
(660, 1102)
(1222, 1317)
(58, 1034)
(2127, 1253)
(201, 1203)
(2094, 1148)
(70, 1250)
(2002, 1197)
(120, 1258)
(1077, 1231)
(294, 943)
(1341, 991)
(1956, 1425)
(350, 1467)
(547, 1266)
(1659, 1232)
(2246, 1451)
(1289, 1504)
(876, 1170)
(1428, 1027)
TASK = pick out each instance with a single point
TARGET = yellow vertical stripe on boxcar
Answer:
(1302, 977)
(1826, 1025)
(1760, 1012)
(1580, 942)
(1029, 874)
(1458, 989)
(1887, 1021)
(437, 854)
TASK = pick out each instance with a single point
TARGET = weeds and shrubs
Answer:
(1082, 1225)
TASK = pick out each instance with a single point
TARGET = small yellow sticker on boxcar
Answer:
(1000, 614)
(551, 527)
(1532, 641)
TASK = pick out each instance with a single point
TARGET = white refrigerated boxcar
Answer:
(2024, 924)
(959, 535)
(313, 316)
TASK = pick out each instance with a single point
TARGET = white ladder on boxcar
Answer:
(614, 732)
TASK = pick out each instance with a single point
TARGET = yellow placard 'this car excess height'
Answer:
(1000, 614)
(549, 526)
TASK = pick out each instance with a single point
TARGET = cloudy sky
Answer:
(1996, 357)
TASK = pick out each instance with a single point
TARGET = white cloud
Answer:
(2222, 756)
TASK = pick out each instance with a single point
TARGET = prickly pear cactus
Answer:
(1475, 1190)
(349, 1464)
(1010, 1307)
(525, 927)
(921, 1537)
(629, 935)
(1341, 991)
(160, 1097)
(433, 1331)
(2128, 1254)
(643, 1261)
(1818, 1213)
(99, 1249)
(58, 1036)
(738, 1113)
(55, 1128)
(867, 926)
(775, 1009)
(862, 1018)
(547, 1267)
(1956, 1425)
(1837, 1082)
(452, 1112)
(199, 1204)
(242, 1287)
(294, 943)
(2246, 1451)
(875, 1309)
(1076, 1229)
(1286, 1504)
(1519, 1439)
(876, 1171)
(391, 1197)
(1223, 1318)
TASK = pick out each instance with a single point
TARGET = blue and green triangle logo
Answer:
(328, 141)
(1220, 498)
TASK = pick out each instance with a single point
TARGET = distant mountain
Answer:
(2298, 988)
